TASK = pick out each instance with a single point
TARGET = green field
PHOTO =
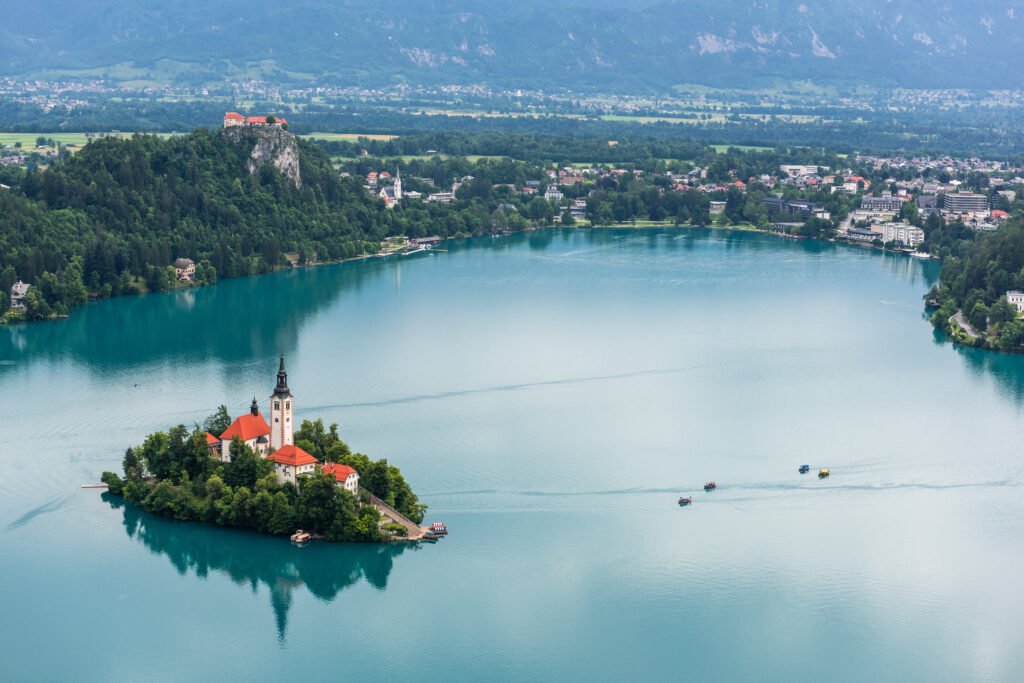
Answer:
(28, 140)
(745, 148)
(349, 137)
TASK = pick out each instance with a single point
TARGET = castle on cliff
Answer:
(233, 118)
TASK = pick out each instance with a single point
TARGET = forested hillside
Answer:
(115, 216)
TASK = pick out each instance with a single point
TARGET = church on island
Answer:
(275, 440)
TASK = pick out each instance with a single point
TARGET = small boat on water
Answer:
(439, 528)
(710, 486)
(301, 537)
(822, 474)
(431, 537)
(804, 469)
(683, 502)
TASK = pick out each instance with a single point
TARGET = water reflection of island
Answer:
(249, 558)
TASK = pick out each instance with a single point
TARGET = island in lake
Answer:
(263, 475)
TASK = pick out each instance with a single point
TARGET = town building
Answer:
(19, 293)
(578, 210)
(1016, 299)
(777, 206)
(716, 207)
(553, 194)
(965, 202)
(902, 233)
(884, 203)
(184, 268)
(855, 234)
(796, 170)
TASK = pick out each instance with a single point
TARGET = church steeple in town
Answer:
(398, 184)
(255, 407)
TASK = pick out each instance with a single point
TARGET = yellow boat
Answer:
(822, 474)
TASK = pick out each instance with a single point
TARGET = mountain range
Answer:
(606, 45)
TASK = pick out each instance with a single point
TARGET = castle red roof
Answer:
(339, 472)
(234, 116)
(292, 455)
(247, 427)
(256, 119)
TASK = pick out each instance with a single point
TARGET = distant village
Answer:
(875, 219)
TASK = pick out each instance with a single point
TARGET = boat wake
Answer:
(508, 387)
(49, 506)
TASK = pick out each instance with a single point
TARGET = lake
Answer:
(550, 395)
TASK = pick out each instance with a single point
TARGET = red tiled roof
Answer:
(292, 455)
(256, 119)
(211, 439)
(340, 472)
(247, 427)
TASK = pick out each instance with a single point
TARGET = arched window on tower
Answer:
(287, 405)
(277, 405)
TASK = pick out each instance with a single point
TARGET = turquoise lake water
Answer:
(549, 396)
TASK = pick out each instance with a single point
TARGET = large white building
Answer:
(965, 202)
(1017, 299)
(905, 234)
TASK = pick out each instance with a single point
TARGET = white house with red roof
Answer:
(346, 476)
(290, 462)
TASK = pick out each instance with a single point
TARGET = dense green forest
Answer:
(173, 475)
(976, 274)
(113, 217)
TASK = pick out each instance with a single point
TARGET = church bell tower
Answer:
(282, 406)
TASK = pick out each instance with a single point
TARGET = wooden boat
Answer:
(439, 528)
(710, 486)
(301, 537)
(822, 474)
(683, 502)
(804, 469)
(431, 537)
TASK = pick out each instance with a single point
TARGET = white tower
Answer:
(282, 406)
(398, 184)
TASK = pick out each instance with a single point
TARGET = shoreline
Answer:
(10, 319)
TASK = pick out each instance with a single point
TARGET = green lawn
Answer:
(28, 140)
(350, 137)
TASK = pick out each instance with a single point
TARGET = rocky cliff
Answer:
(270, 144)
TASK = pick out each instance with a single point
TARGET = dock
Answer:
(94, 486)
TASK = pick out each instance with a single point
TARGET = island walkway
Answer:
(960, 320)
(414, 531)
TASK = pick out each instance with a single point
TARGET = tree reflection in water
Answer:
(250, 558)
